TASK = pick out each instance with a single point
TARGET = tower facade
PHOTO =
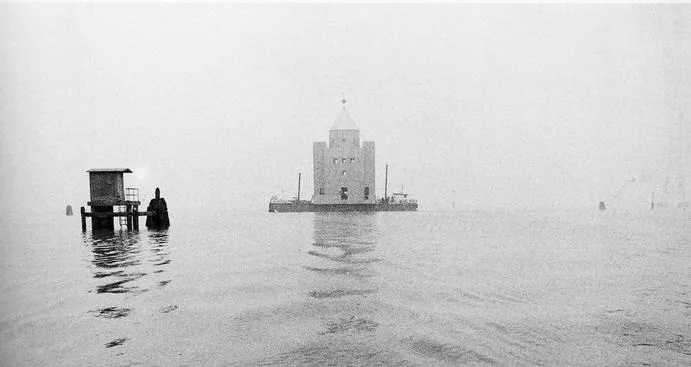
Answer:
(344, 171)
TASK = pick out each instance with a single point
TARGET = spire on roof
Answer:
(344, 121)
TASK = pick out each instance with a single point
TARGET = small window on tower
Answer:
(321, 191)
(344, 193)
(366, 193)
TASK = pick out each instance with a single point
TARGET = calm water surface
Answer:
(392, 289)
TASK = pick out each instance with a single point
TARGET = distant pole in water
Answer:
(299, 178)
(602, 205)
(453, 202)
(68, 210)
(386, 183)
(652, 201)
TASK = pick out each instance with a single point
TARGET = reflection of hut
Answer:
(108, 192)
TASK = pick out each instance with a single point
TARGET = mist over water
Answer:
(497, 105)
(485, 288)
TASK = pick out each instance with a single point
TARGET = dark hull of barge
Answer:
(307, 206)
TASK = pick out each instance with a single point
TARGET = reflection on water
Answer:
(359, 289)
(122, 265)
(343, 294)
(346, 242)
(361, 319)
(119, 260)
(346, 239)
(158, 241)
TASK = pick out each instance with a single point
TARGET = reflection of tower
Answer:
(343, 272)
(344, 243)
(344, 230)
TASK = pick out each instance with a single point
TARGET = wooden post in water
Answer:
(135, 217)
(128, 210)
(652, 201)
(299, 177)
(83, 212)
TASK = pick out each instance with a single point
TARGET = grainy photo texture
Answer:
(345, 184)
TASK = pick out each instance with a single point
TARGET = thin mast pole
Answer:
(299, 177)
(386, 183)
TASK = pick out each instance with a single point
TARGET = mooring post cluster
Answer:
(159, 208)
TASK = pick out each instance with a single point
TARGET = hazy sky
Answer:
(218, 104)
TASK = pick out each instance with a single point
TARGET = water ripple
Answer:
(336, 293)
(448, 353)
(348, 324)
(111, 312)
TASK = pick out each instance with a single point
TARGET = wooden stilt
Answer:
(135, 217)
(83, 219)
(128, 210)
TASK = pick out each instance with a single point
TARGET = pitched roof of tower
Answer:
(344, 121)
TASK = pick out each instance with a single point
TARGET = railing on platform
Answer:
(131, 194)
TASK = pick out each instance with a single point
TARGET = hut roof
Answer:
(121, 170)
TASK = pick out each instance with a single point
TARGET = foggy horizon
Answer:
(511, 106)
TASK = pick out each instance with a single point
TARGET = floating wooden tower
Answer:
(110, 199)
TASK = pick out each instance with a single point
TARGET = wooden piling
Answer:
(159, 212)
(135, 217)
(83, 211)
(128, 210)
